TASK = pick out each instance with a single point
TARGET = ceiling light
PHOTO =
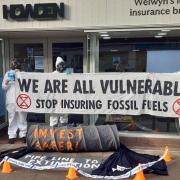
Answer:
(107, 37)
(158, 36)
(104, 35)
(162, 34)
(114, 50)
(165, 30)
(135, 50)
(103, 32)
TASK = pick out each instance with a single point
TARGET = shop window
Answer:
(32, 60)
(31, 56)
(140, 55)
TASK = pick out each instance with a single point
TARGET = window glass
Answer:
(139, 55)
(31, 56)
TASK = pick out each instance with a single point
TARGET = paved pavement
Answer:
(21, 173)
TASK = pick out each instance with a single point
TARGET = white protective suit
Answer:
(17, 120)
(58, 119)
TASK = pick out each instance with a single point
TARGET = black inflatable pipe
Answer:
(73, 139)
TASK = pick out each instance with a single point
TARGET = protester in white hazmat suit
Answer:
(59, 119)
(16, 120)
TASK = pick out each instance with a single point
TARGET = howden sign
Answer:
(42, 11)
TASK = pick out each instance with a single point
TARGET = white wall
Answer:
(91, 14)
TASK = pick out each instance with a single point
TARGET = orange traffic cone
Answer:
(167, 156)
(139, 175)
(72, 173)
(6, 167)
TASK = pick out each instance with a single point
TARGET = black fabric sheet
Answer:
(116, 164)
(127, 159)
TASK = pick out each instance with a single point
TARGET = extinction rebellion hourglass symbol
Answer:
(176, 107)
(23, 101)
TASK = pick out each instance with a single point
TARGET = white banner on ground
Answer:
(99, 93)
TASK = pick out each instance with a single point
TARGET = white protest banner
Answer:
(99, 93)
(85, 164)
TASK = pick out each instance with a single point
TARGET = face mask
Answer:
(60, 67)
(16, 65)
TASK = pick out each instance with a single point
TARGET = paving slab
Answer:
(26, 174)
